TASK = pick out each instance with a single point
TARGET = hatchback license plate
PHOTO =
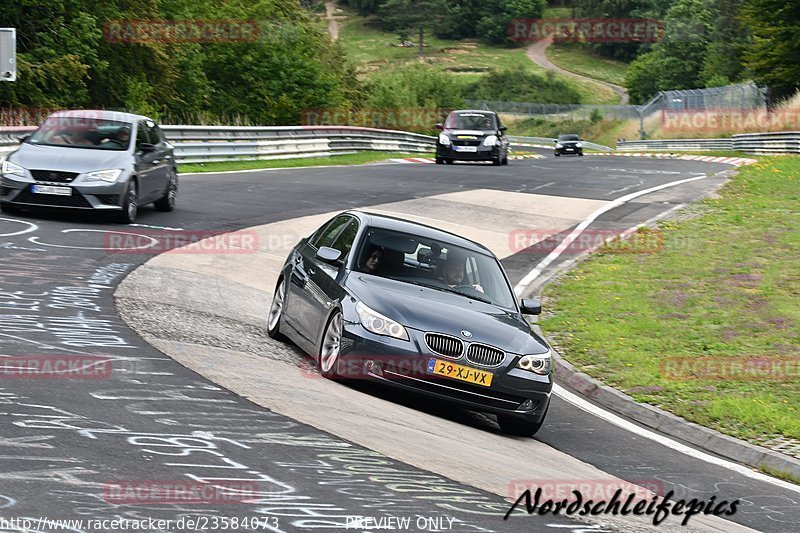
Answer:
(459, 372)
(49, 189)
(466, 148)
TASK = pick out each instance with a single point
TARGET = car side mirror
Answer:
(23, 138)
(329, 255)
(146, 147)
(555, 141)
(531, 306)
(503, 128)
(439, 126)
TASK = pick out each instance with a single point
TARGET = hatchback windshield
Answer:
(470, 121)
(80, 132)
(568, 137)
(435, 264)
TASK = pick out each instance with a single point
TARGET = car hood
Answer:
(476, 133)
(68, 159)
(427, 309)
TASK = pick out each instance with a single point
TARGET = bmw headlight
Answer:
(537, 363)
(444, 139)
(559, 145)
(379, 324)
(579, 145)
(491, 140)
(109, 176)
(12, 169)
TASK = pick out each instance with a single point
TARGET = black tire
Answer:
(328, 363)
(505, 160)
(496, 161)
(448, 161)
(8, 208)
(439, 161)
(130, 203)
(519, 427)
(581, 154)
(275, 315)
(167, 202)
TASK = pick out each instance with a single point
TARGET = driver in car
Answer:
(453, 274)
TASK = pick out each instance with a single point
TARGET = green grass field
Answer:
(722, 282)
(374, 51)
(581, 60)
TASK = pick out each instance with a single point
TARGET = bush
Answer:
(515, 86)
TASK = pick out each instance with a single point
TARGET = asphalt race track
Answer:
(342, 451)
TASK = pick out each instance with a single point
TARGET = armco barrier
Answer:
(201, 144)
(676, 145)
(781, 142)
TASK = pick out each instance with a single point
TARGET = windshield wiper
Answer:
(441, 288)
(466, 295)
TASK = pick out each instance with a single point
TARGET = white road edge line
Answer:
(603, 414)
(579, 402)
(531, 276)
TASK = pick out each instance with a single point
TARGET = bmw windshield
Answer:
(435, 264)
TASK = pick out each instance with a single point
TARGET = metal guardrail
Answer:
(676, 145)
(205, 144)
(783, 142)
(550, 141)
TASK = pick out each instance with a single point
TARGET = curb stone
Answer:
(707, 439)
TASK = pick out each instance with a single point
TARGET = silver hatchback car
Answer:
(99, 160)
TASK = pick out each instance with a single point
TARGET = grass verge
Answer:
(723, 283)
(579, 59)
(345, 159)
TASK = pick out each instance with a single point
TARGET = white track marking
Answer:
(31, 227)
(531, 276)
(152, 243)
(579, 402)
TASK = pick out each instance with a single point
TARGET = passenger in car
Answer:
(372, 264)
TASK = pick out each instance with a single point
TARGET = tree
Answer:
(402, 16)
(496, 16)
(772, 56)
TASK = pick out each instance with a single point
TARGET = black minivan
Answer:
(472, 135)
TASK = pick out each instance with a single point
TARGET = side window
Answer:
(344, 242)
(331, 231)
(152, 132)
(472, 271)
(141, 134)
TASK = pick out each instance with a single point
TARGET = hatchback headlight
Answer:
(444, 139)
(559, 145)
(379, 324)
(490, 140)
(537, 363)
(579, 145)
(12, 169)
(109, 176)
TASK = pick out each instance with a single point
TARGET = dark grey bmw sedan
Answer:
(92, 160)
(381, 298)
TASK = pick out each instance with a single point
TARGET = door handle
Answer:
(311, 271)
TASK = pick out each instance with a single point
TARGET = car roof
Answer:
(375, 220)
(473, 111)
(102, 114)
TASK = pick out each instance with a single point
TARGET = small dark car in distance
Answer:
(92, 160)
(568, 144)
(472, 135)
(413, 307)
